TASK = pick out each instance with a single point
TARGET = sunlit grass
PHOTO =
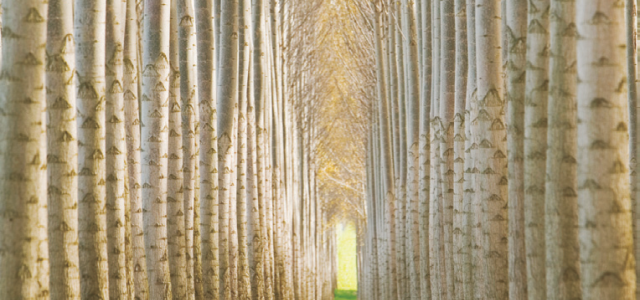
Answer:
(347, 270)
(346, 295)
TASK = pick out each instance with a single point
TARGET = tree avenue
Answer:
(211, 149)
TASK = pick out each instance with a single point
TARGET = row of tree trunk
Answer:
(161, 149)
(500, 159)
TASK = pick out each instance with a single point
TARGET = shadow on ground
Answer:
(346, 294)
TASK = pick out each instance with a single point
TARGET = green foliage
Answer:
(346, 294)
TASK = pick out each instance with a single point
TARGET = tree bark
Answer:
(175, 180)
(89, 31)
(155, 135)
(516, 77)
(132, 127)
(115, 145)
(492, 149)
(604, 216)
(207, 92)
(62, 154)
(561, 204)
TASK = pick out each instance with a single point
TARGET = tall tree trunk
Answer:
(207, 92)
(412, 229)
(425, 144)
(604, 216)
(228, 97)
(469, 203)
(535, 145)
(447, 113)
(492, 149)
(175, 181)
(190, 113)
(155, 135)
(62, 154)
(244, 96)
(132, 127)
(89, 25)
(461, 63)
(561, 204)
(24, 265)
(115, 145)
(516, 75)
(256, 131)
(385, 137)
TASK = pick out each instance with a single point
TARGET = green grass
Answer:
(347, 269)
(346, 294)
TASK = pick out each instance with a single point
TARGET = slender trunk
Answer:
(604, 216)
(207, 91)
(561, 204)
(62, 154)
(492, 149)
(132, 127)
(155, 135)
(516, 76)
(535, 145)
(189, 106)
(228, 97)
(469, 206)
(425, 144)
(412, 146)
(447, 113)
(461, 63)
(115, 145)
(90, 42)
(245, 96)
(385, 137)
(175, 180)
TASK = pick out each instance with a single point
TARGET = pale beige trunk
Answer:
(561, 204)
(459, 146)
(62, 154)
(89, 33)
(189, 106)
(492, 150)
(115, 154)
(604, 214)
(175, 182)
(208, 166)
(155, 136)
(535, 145)
(516, 75)
(132, 127)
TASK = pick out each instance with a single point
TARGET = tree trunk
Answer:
(461, 66)
(89, 34)
(207, 92)
(175, 180)
(115, 145)
(155, 135)
(516, 76)
(492, 144)
(132, 127)
(228, 97)
(425, 144)
(189, 106)
(62, 154)
(561, 204)
(412, 228)
(535, 145)
(604, 216)
(447, 113)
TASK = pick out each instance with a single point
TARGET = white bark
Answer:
(155, 135)
(604, 214)
(62, 154)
